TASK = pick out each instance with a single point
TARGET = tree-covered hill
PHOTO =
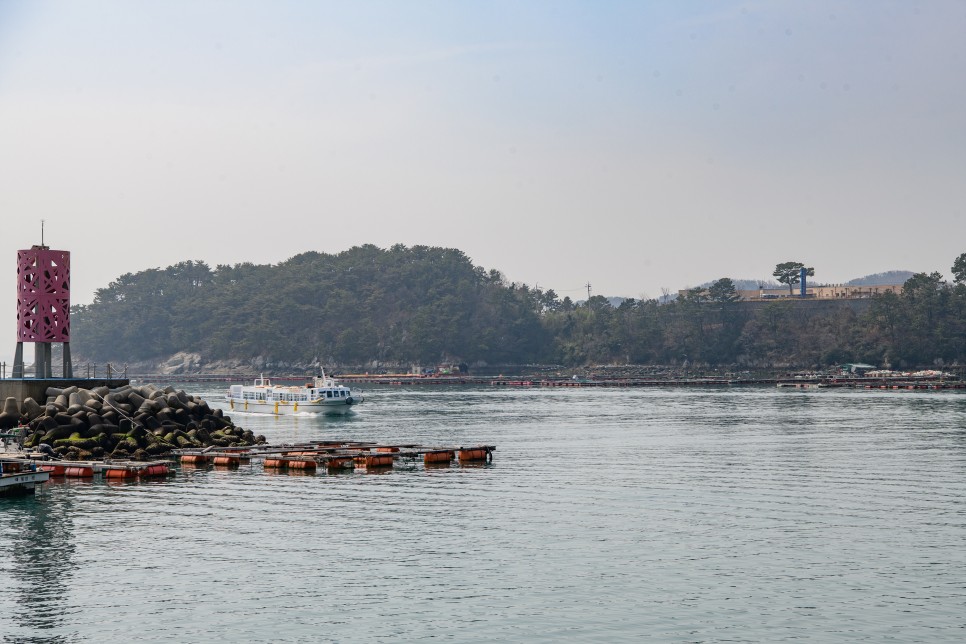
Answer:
(427, 305)
(398, 305)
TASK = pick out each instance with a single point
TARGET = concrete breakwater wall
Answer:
(126, 422)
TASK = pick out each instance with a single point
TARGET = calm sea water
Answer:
(745, 514)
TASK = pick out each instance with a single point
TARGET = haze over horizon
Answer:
(637, 146)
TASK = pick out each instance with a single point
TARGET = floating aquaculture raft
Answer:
(86, 469)
(335, 456)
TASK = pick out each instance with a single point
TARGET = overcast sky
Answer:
(633, 145)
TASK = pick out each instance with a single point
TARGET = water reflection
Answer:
(42, 551)
(685, 515)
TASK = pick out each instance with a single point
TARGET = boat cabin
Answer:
(262, 390)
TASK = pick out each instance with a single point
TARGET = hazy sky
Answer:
(633, 145)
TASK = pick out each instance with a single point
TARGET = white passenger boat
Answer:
(322, 395)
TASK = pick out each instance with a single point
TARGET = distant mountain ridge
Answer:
(877, 279)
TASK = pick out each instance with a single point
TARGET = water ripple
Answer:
(607, 515)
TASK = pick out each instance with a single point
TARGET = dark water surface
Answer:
(685, 515)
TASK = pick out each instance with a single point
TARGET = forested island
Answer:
(368, 307)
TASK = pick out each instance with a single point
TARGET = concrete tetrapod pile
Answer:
(138, 423)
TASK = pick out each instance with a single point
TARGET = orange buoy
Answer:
(275, 463)
(119, 473)
(54, 470)
(438, 457)
(302, 465)
(227, 461)
(472, 455)
(387, 450)
(377, 461)
(79, 472)
(154, 470)
(194, 458)
(340, 463)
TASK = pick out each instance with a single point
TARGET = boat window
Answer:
(328, 394)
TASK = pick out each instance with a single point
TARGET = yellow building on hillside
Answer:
(826, 292)
(823, 292)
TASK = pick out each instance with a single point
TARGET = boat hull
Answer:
(287, 408)
(21, 482)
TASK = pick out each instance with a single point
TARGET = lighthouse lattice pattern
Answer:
(43, 295)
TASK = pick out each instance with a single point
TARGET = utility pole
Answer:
(588, 290)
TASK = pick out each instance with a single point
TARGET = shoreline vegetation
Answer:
(606, 376)
(391, 309)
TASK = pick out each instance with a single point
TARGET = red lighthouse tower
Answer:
(43, 308)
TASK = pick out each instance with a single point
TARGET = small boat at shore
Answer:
(322, 395)
(20, 478)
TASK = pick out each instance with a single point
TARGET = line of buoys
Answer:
(342, 455)
(90, 469)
